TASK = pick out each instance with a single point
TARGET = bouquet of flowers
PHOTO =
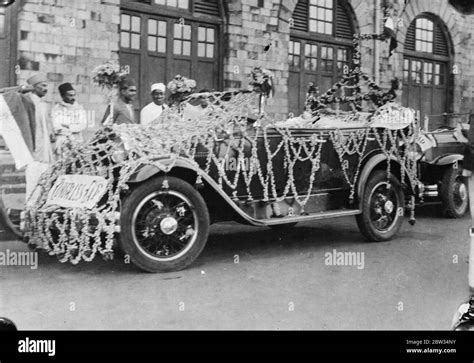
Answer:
(108, 75)
(180, 87)
(311, 96)
(261, 80)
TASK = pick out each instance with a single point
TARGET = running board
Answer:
(310, 217)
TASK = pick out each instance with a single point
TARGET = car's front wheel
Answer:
(454, 194)
(164, 225)
(382, 207)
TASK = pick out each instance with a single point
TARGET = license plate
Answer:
(77, 191)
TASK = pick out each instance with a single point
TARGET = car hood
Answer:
(441, 142)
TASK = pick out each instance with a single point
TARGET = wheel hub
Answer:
(462, 191)
(388, 207)
(168, 225)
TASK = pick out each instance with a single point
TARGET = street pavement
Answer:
(254, 278)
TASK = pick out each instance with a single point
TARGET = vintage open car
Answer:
(440, 155)
(152, 192)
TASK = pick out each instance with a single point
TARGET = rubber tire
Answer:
(364, 223)
(131, 202)
(283, 227)
(446, 195)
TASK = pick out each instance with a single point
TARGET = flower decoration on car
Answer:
(180, 87)
(108, 75)
(261, 81)
(208, 149)
(311, 95)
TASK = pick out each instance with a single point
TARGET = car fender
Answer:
(162, 165)
(446, 159)
(370, 165)
(146, 171)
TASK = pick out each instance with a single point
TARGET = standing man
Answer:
(69, 118)
(123, 112)
(154, 109)
(43, 133)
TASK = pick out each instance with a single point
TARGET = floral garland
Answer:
(352, 80)
(75, 235)
(180, 88)
(261, 81)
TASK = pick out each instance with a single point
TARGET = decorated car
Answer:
(152, 192)
(440, 154)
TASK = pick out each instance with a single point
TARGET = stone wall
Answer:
(460, 28)
(66, 39)
(250, 29)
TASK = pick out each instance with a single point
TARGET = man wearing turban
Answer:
(154, 109)
(69, 118)
(123, 112)
(43, 153)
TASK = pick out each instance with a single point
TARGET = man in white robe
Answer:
(153, 110)
(43, 155)
(69, 118)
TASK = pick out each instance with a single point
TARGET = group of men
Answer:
(122, 109)
(52, 130)
(68, 119)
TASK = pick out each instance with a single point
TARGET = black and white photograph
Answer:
(242, 165)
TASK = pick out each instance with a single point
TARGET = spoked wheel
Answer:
(164, 224)
(382, 207)
(454, 194)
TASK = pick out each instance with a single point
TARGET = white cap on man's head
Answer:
(158, 87)
(37, 78)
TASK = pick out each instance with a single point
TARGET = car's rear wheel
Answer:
(454, 193)
(164, 225)
(382, 207)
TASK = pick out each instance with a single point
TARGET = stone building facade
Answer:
(219, 42)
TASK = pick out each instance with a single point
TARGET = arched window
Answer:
(320, 46)
(162, 38)
(426, 69)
